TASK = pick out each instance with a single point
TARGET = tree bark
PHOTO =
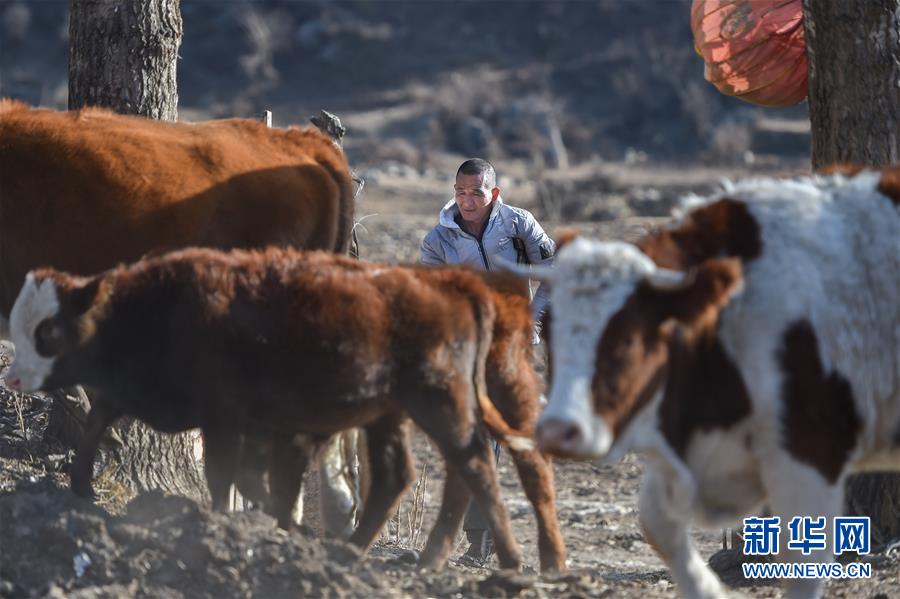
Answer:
(123, 56)
(133, 457)
(876, 496)
(853, 51)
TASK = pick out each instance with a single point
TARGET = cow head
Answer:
(614, 311)
(47, 322)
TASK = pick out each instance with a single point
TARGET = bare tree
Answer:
(853, 51)
(123, 56)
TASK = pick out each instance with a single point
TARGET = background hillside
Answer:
(615, 78)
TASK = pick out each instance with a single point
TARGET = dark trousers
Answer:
(475, 519)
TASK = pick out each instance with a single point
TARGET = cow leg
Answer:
(536, 475)
(392, 472)
(481, 476)
(796, 489)
(82, 470)
(453, 507)
(665, 513)
(287, 464)
(251, 473)
(221, 450)
(468, 449)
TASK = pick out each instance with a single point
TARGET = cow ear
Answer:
(701, 293)
(83, 295)
(565, 236)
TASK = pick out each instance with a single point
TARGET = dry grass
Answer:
(18, 401)
(405, 528)
(18, 398)
(109, 492)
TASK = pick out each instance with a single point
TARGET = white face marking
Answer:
(37, 301)
(592, 281)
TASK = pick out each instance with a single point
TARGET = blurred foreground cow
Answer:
(293, 347)
(83, 191)
(752, 352)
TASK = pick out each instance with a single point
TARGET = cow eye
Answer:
(48, 338)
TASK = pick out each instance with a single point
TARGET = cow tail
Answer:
(335, 162)
(491, 416)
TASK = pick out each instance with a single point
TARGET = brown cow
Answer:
(82, 191)
(514, 388)
(293, 347)
(85, 190)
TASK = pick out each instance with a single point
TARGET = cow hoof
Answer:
(83, 490)
(429, 564)
(410, 556)
(305, 529)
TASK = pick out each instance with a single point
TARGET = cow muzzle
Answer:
(572, 439)
(560, 438)
(19, 380)
(569, 427)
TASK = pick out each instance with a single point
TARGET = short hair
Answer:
(479, 166)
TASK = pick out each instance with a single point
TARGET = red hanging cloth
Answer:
(752, 49)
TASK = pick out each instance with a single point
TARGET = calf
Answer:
(750, 351)
(290, 347)
(514, 387)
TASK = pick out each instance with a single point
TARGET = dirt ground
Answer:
(53, 544)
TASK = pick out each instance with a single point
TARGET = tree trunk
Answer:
(853, 51)
(133, 458)
(876, 496)
(854, 107)
(123, 55)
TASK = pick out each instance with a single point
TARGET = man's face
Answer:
(474, 198)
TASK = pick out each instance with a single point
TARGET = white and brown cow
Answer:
(293, 347)
(751, 352)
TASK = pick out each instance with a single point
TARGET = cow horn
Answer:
(663, 279)
(538, 272)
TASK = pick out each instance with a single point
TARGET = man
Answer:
(477, 228)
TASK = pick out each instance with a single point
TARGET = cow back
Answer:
(85, 190)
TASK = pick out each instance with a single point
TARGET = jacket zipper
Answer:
(480, 244)
(483, 254)
(480, 247)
